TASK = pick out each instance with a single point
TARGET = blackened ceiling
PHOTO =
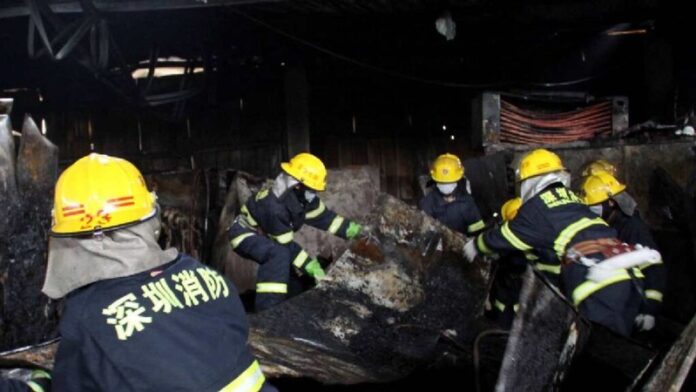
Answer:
(499, 44)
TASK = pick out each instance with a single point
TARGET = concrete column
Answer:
(659, 78)
(296, 111)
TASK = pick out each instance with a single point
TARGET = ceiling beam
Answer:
(129, 6)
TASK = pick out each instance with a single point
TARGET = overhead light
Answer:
(15, 90)
(142, 73)
(627, 32)
(170, 67)
(43, 126)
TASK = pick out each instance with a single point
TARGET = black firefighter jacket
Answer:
(279, 218)
(183, 329)
(461, 215)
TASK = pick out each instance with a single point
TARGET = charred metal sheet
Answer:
(383, 306)
(676, 207)
(610, 350)
(675, 367)
(617, 360)
(183, 190)
(673, 202)
(19, 363)
(350, 192)
(635, 164)
(37, 167)
(489, 182)
(27, 315)
(184, 199)
(545, 336)
(8, 184)
(241, 271)
(486, 119)
(41, 354)
(8, 207)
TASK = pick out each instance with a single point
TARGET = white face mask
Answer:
(446, 188)
(309, 195)
(597, 209)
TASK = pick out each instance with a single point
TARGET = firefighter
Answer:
(505, 291)
(263, 231)
(598, 273)
(599, 165)
(137, 317)
(451, 202)
(40, 381)
(608, 198)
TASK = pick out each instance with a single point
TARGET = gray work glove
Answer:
(645, 322)
(470, 250)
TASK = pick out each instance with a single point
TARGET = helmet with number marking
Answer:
(100, 193)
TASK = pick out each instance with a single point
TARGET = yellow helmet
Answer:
(98, 193)
(447, 168)
(599, 165)
(539, 161)
(509, 210)
(307, 169)
(599, 187)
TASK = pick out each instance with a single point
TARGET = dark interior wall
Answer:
(243, 132)
(356, 118)
(247, 138)
(360, 118)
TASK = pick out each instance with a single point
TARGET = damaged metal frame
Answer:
(69, 35)
(101, 46)
(101, 43)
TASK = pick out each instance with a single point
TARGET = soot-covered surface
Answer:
(545, 336)
(384, 307)
(26, 315)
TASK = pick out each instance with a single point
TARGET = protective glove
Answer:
(645, 322)
(40, 381)
(314, 269)
(353, 230)
(470, 251)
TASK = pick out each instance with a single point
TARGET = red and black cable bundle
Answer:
(522, 126)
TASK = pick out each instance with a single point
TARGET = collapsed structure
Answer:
(403, 297)
(26, 198)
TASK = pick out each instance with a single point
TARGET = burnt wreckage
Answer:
(400, 301)
(402, 298)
